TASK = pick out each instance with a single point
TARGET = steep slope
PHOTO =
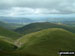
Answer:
(8, 33)
(6, 44)
(47, 42)
(34, 27)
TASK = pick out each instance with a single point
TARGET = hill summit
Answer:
(47, 42)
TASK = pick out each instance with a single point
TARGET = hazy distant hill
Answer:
(34, 27)
(71, 23)
(10, 26)
(5, 25)
(20, 20)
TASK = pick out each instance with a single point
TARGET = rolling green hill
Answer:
(34, 27)
(47, 42)
(9, 33)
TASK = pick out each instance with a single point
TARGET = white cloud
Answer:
(23, 7)
(22, 11)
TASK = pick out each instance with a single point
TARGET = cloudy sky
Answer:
(36, 7)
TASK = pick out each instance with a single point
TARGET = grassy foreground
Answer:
(42, 43)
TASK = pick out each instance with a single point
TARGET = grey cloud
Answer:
(35, 3)
(63, 6)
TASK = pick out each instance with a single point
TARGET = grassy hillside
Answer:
(34, 27)
(47, 42)
(8, 33)
(42, 43)
(14, 26)
(10, 26)
(6, 44)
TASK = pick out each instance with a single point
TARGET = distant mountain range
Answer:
(23, 20)
(20, 20)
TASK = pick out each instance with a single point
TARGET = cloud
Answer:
(22, 11)
(24, 7)
(36, 3)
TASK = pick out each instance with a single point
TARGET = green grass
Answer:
(34, 27)
(10, 26)
(9, 33)
(6, 44)
(47, 42)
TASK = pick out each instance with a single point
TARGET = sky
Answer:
(36, 7)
